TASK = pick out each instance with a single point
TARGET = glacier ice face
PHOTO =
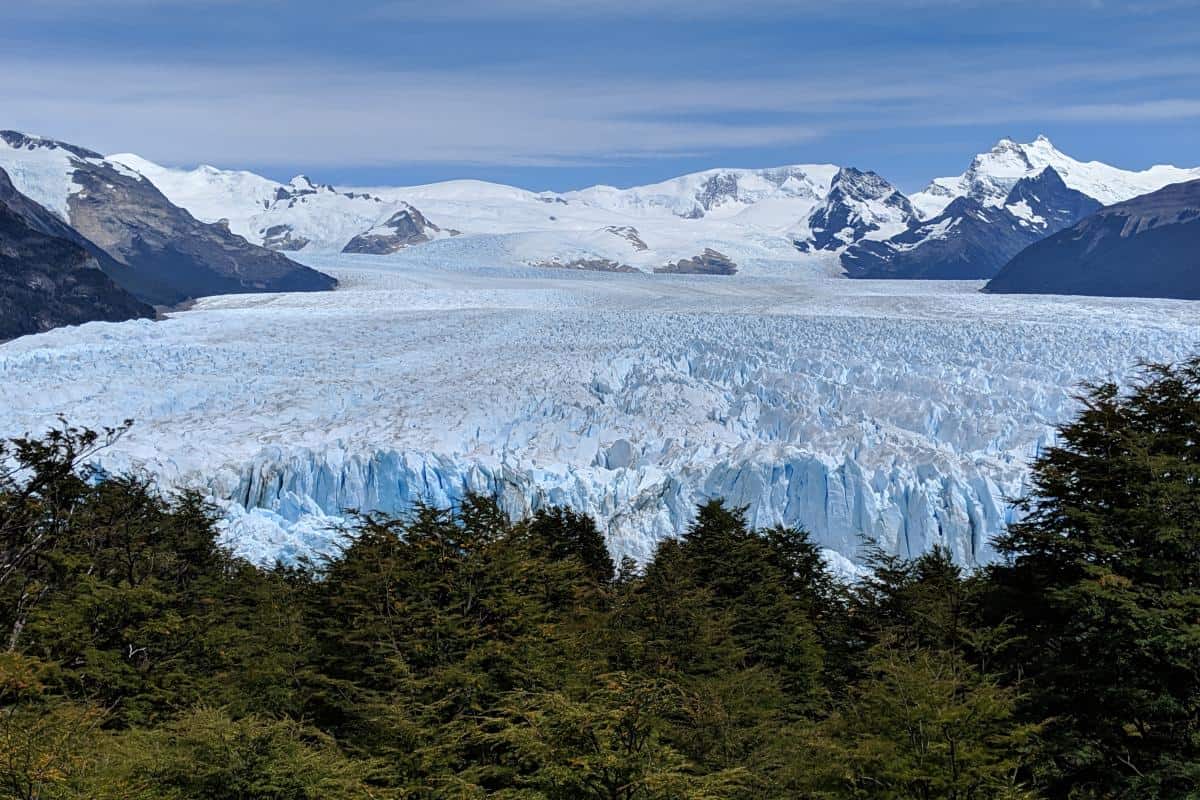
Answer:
(902, 413)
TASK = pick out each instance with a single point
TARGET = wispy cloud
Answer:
(329, 115)
(572, 82)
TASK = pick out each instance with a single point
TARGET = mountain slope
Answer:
(290, 217)
(169, 256)
(47, 279)
(1145, 247)
(673, 220)
(992, 175)
(858, 204)
(969, 239)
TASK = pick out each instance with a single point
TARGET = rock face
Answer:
(588, 264)
(283, 238)
(629, 234)
(168, 256)
(47, 277)
(1145, 247)
(710, 262)
(858, 204)
(405, 228)
(165, 246)
(970, 239)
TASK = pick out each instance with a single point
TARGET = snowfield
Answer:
(898, 412)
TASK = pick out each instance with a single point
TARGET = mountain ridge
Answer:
(166, 255)
(1158, 233)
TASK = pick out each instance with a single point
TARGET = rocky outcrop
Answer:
(629, 234)
(48, 278)
(283, 238)
(588, 264)
(1145, 247)
(710, 262)
(405, 228)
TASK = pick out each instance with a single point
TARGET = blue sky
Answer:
(557, 94)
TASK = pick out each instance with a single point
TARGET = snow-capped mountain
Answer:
(750, 216)
(992, 175)
(166, 254)
(745, 213)
(859, 205)
(774, 197)
(971, 239)
(48, 275)
(289, 217)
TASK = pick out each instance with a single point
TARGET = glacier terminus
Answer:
(899, 413)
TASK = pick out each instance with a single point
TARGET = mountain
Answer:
(992, 175)
(167, 254)
(405, 228)
(1145, 247)
(793, 191)
(858, 203)
(970, 239)
(802, 214)
(756, 212)
(47, 277)
(294, 216)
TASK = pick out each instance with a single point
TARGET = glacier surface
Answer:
(899, 412)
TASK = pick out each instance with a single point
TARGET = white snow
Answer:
(899, 412)
(993, 174)
(44, 174)
(1023, 211)
(756, 213)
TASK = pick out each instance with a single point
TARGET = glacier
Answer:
(903, 414)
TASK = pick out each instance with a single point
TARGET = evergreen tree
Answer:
(1102, 581)
(924, 725)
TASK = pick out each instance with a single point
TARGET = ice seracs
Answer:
(901, 413)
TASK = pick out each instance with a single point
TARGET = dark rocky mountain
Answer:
(168, 255)
(1145, 247)
(405, 228)
(47, 277)
(853, 208)
(970, 240)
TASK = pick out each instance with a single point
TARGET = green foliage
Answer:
(206, 755)
(924, 724)
(1103, 584)
(461, 654)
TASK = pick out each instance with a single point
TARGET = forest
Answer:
(458, 653)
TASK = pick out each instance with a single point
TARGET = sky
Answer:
(559, 94)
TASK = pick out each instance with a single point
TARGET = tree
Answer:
(1102, 580)
(608, 745)
(206, 755)
(924, 725)
(563, 533)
